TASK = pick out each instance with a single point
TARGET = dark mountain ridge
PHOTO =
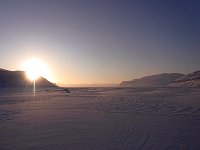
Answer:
(189, 80)
(15, 79)
(158, 80)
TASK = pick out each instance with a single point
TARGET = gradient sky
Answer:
(101, 41)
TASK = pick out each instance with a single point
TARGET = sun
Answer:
(34, 68)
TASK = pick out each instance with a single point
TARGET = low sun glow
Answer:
(35, 68)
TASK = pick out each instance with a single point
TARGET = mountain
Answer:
(158, 80)
(12, 79)
(190, 80)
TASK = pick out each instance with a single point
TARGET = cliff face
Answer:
(12, 79)
(159, 80)
(190, 80)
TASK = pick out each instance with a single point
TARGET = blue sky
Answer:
(101, 41)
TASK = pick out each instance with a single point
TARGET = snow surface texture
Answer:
(101, 119)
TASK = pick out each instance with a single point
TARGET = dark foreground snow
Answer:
(101, 119)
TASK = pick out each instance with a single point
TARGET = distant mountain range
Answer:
(16, 79)
(158, 80)
(190, 80)
(165, 80)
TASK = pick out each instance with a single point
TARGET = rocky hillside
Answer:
(12, 79)
(190, 80)
(159, 80)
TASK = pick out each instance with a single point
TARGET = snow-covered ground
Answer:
(101, 119)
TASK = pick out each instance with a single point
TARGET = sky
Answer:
(101, 42)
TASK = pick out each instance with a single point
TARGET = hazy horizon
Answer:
(101, 42)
